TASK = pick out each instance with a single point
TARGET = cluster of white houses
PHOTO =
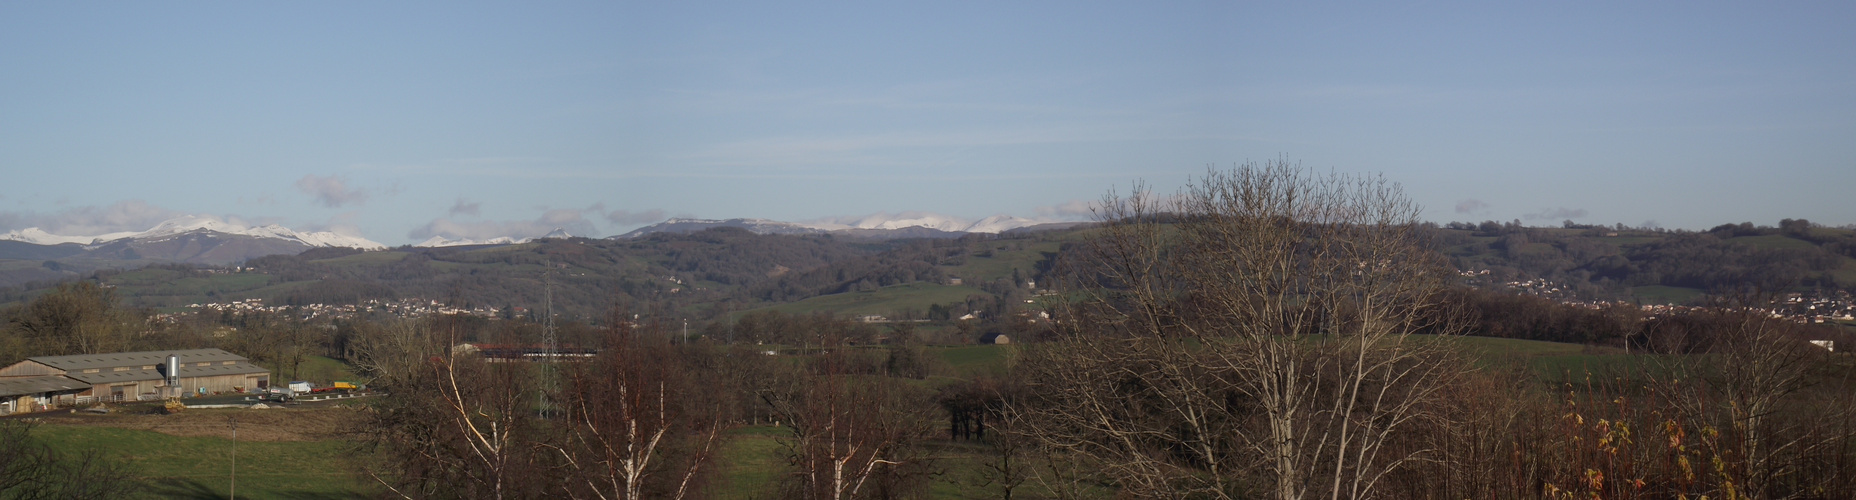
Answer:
(50, 381)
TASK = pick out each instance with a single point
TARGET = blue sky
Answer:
(402, 121)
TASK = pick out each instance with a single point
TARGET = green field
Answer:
(1550, 361)
(316, 369)
(201, 467)
(883, 301)
(751, 463)
(1631, 240)
(1006, 256)
(366, 258)
(1773, 241)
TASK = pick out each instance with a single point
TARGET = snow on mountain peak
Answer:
(191, 223)
(1000, 224)
(909, 219)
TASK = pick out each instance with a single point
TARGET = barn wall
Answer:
(28, 369)
(220, 383)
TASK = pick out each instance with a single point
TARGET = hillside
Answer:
(721, 271)
(1655, 266)
(697, 275)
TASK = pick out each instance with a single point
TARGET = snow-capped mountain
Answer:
(441, 241)
(1000, 224)
(938, 222)
(756, 226)
(38, 236)
(196, 224)
(910, 219)
(878, 226)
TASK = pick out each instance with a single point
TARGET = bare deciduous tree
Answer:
(636, 424)
(1260, 320)
(853, 437)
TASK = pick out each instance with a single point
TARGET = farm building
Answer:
(33, 393)
(129, 376)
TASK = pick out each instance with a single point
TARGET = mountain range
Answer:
(193, 224)
(34, 254)
(441, 241)
(879, 226)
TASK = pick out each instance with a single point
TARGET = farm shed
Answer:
(128, 376)
(33, 393)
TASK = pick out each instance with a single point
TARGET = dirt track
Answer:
(295, 423)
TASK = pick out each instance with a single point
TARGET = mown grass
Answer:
(201, 467)
(751, 464)
(320, 370)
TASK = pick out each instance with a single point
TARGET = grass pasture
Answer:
(1005, 256)
(884, 301)
(751, 463)
(1773, 241)
(201, 466)
(320, 370)
(366, 258)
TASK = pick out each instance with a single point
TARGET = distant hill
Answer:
(697, 275)
(686, 226)
(876, 227)
(1595, 262)
(189, 240)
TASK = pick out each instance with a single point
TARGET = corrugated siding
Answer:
(28, 368)
(38, 385)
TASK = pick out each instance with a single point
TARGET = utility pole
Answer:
(233, 421)
(549, 349)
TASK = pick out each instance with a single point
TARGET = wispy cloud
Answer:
(622, 217)
(131, 215)
(464, 207)
(332, 191)
(345, 223)
(1073, 209)
(1472, 207)
(1556, 213)
(576, 221)
(567, 219)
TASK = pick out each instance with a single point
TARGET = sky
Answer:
(398, 121)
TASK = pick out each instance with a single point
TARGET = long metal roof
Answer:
(110, 377)
(37, 385)
(78, 362)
